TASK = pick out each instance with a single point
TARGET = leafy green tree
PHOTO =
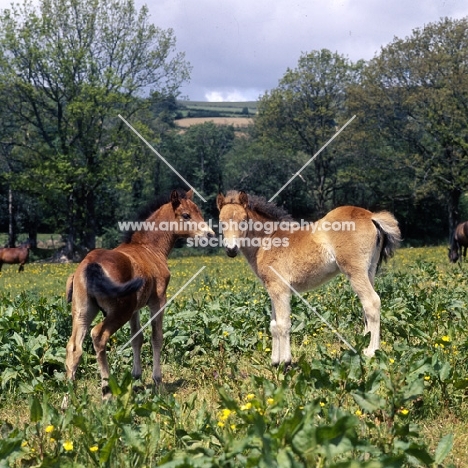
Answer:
(199, 155)
(72, 67)
(304, 111)
(414, 96)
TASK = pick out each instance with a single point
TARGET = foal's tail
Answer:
(388, 234)
(100, 284)
(69, 287)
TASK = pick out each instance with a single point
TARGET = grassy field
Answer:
(222, 109)
(221, 403)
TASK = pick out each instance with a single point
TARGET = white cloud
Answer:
(232, 96)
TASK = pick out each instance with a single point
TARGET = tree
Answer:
(304, 111)
(72, 67)
(199, 154)
(415, 96)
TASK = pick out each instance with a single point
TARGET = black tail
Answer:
(388, 235)
(100, 284)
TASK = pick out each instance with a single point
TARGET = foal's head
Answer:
(233, 219)
(188, 218)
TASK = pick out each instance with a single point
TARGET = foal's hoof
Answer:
(106, 393)
(369, 352)
(65, 402)
(287, 366)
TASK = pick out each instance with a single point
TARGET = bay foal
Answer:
(121, 281)
(349, 240)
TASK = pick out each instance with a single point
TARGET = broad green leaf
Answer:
(35, 410)
(443, 448)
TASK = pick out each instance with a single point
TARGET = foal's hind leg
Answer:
(371, 304)
(83, 315)
(100, 334)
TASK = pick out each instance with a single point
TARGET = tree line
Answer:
(70, 165)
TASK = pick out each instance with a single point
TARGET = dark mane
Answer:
(263, 207)
(149, 209)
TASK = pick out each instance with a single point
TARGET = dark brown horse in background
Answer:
(459, 243)
(14, 255)
(121, 281)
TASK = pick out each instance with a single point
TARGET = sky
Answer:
(240, 49)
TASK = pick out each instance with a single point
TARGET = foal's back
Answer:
(345, 240)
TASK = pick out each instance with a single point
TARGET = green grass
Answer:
(222, 404)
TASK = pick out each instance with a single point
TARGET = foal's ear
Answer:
(189, 194)
(175, 200)
(243, 199)
(220, 201)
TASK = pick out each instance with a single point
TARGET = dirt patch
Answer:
(236, 121)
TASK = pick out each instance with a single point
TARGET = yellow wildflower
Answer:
(49, 428)
(225, 413)
(391, 360)
(68, 445)
(250, 396)
(247, 406)
(93, 448)
(270, 401)
(233, 427)
(404, 411)
(220, 424)
(427, 377)
(322, 404)
(446, 338)
(225, 333)
(358, 412)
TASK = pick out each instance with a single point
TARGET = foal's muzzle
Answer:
(232, 251)
(231, 246)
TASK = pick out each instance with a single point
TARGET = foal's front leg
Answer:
(280, 327)
(157, 312)
(137, 343)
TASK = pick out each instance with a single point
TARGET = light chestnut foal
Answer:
(349, 240)
(123, 280)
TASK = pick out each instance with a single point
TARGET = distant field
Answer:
(221, 113)
(236, 121)
(223, 107)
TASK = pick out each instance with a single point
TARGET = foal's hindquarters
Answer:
(312, 259)
(105, 281)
